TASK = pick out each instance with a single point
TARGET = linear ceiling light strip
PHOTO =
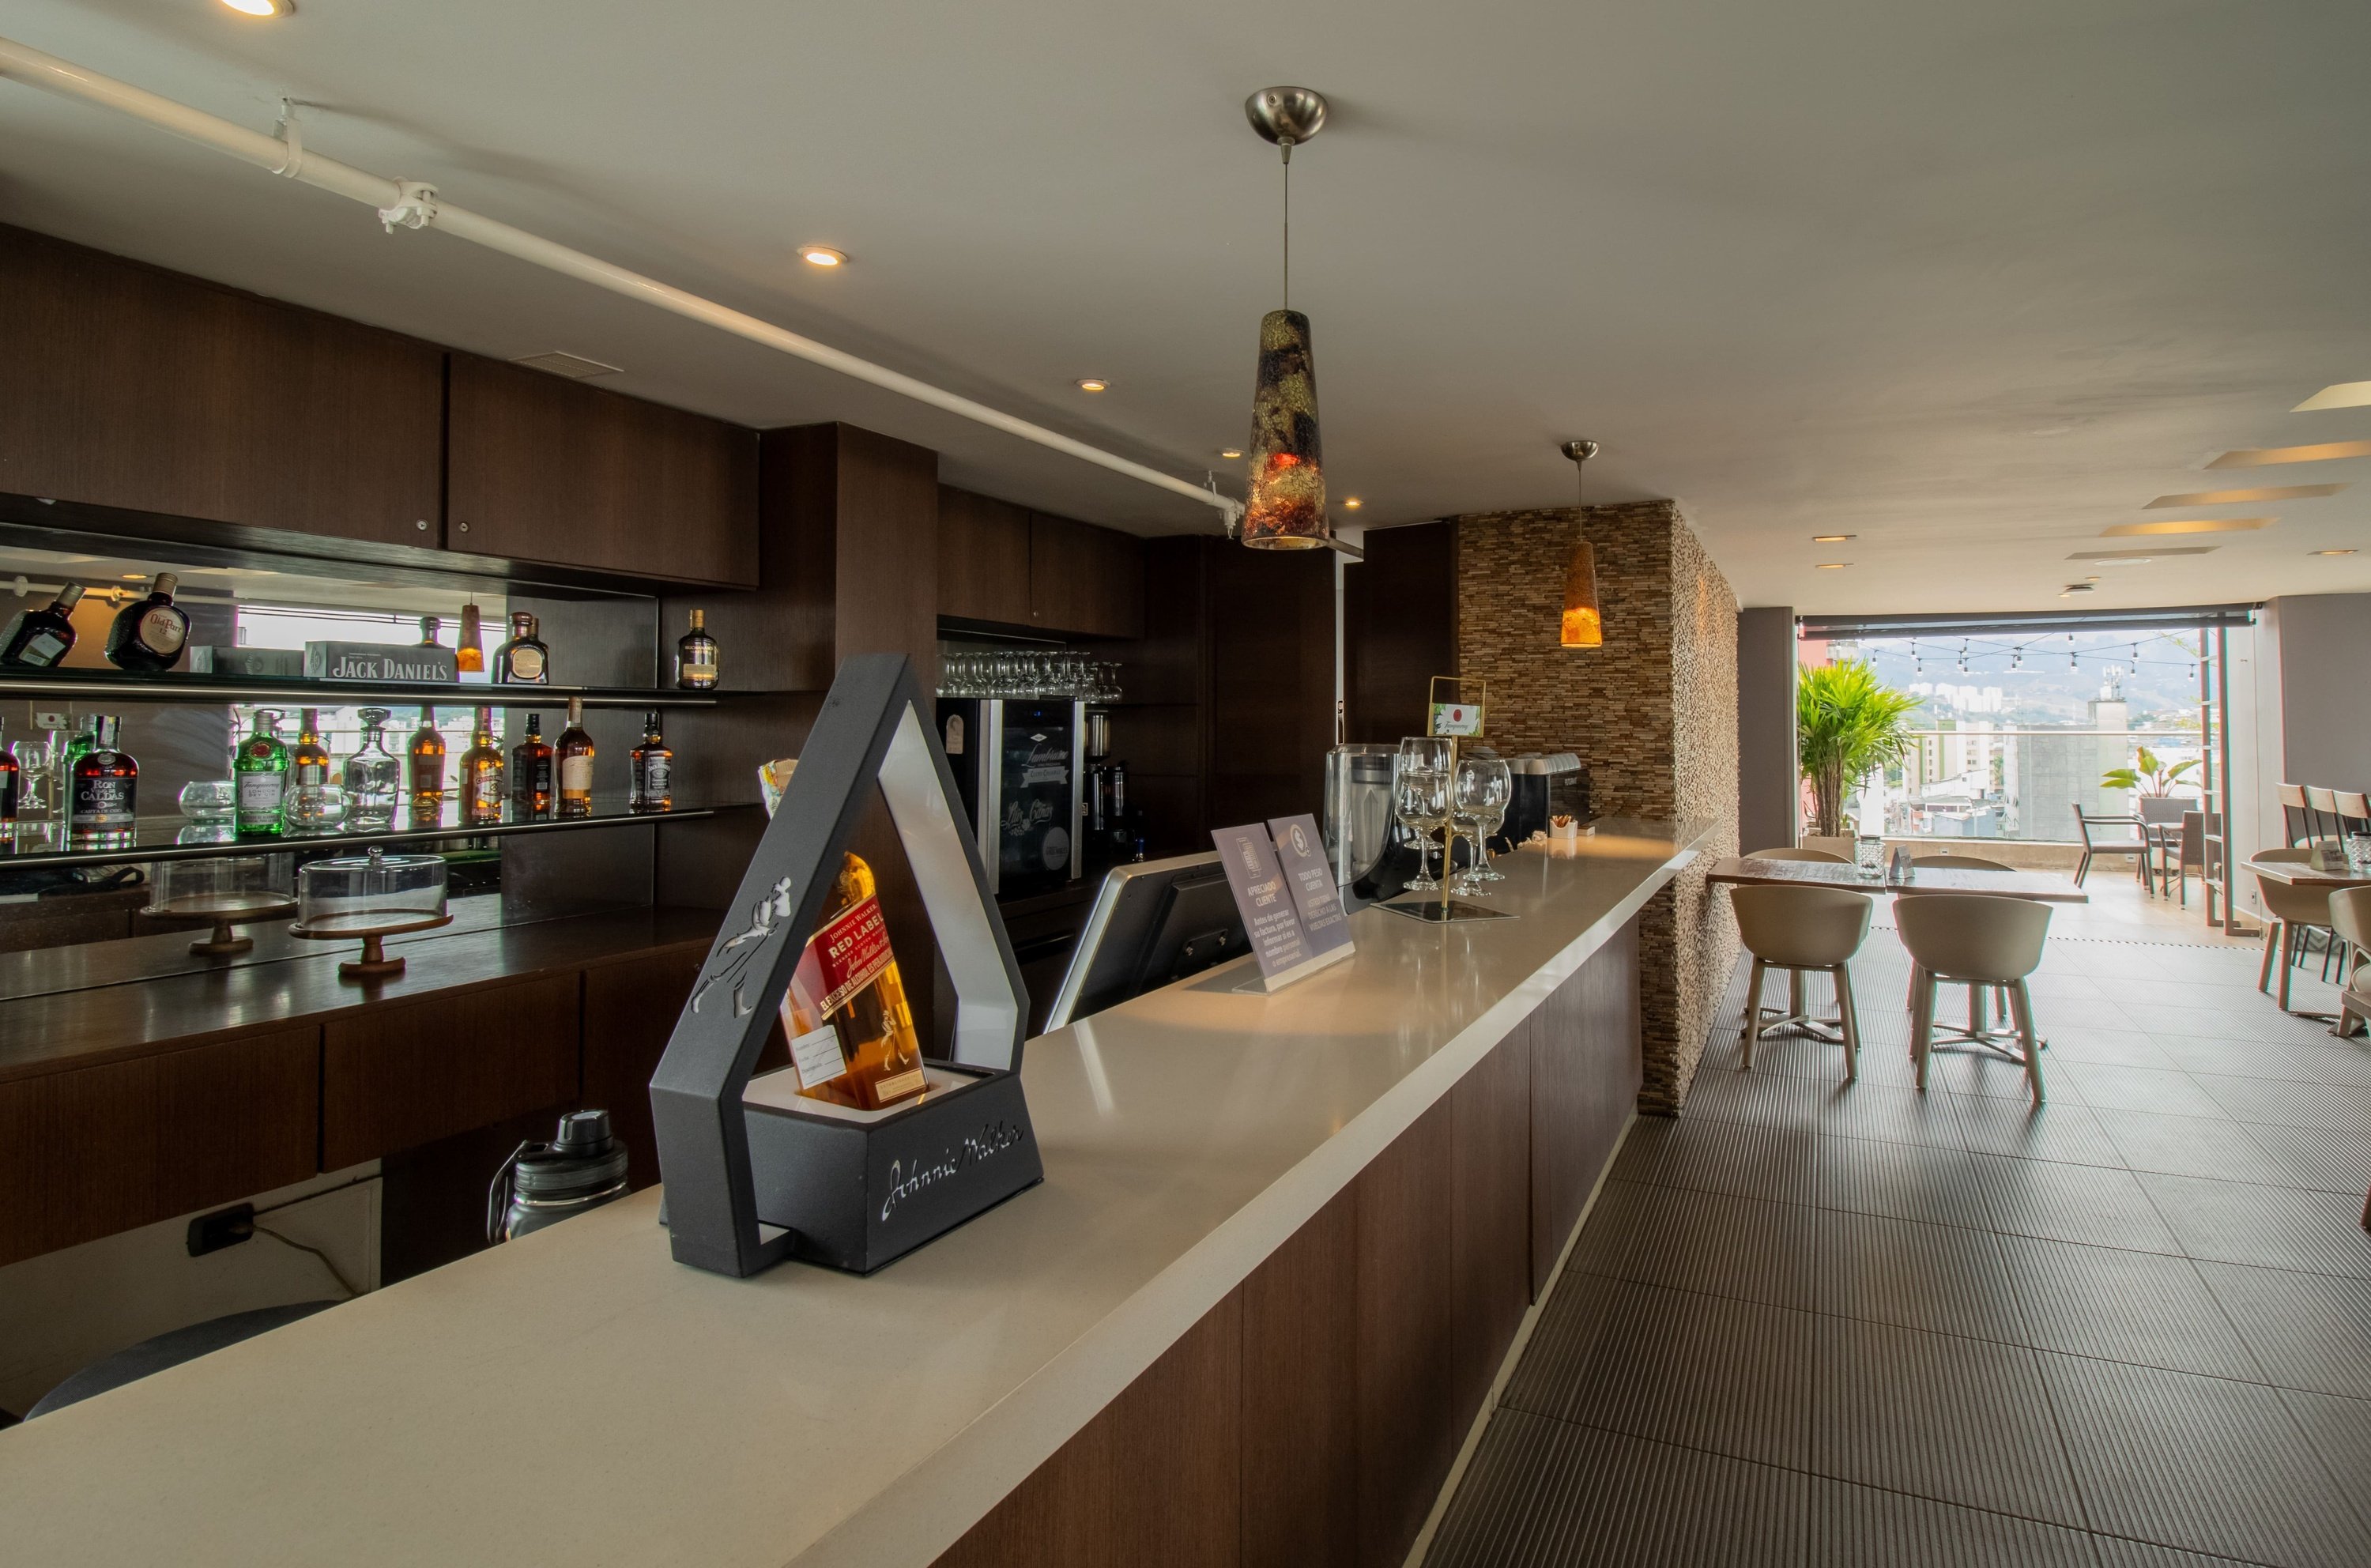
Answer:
(414, 205)
(2179, 618)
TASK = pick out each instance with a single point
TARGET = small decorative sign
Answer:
(1300, 851)
(379, 661)
(1269, 902)
(1456, 719)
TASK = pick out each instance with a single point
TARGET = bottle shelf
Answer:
(113, 685)
(44, 845)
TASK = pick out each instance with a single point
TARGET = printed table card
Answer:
(1266, 900)
(1301, 850)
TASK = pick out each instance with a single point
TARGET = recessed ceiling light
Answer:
(135, 577)
(2230, 497)
(2265, 457)
(1831, 566)
(1351, 504)
(2345, 394)
(1231, 451)
(2330, 552)
(2186, 526)
(1832, 538)
(2128, 558)
(1093, 384)
(262, 8)
(561, 362)
(822, 256)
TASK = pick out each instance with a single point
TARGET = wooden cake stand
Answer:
(224, 909)
(374, 930)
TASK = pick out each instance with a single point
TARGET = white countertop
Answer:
(577, 1398)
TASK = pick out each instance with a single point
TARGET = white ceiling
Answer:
(1973, 282)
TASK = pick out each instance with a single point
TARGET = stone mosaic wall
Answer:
(1653, 713)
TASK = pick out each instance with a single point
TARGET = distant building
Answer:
(2045, 775)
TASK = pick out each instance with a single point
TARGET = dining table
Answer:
(2321, 879)
(2048, 887)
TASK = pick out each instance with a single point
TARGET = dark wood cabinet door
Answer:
(128, 386)
(983, 558)
(1084, 578)
(395, 1076)
(97, 1150)
(543, 470)
(1490, 1228)
(1407, 1336)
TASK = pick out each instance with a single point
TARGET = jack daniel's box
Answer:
(379, 661)
(263, 663)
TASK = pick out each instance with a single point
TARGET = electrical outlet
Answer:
(223, 1228)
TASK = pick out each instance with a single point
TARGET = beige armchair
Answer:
(2291, 912)
(1801, 929)
(1976, 940)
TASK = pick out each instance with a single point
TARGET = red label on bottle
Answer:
(851, 952)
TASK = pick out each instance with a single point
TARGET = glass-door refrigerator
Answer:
(1018, 762)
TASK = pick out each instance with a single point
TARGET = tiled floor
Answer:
(1818, 1323)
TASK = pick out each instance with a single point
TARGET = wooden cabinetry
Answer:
(94, 1150)
(1004, 565)
(630, 1010)
(396, 1077)
(135, 389)
(543, 470)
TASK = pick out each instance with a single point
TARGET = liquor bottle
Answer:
(78, 744)
(106, 783)
(9, 780)
(481, 775)
(696, 656)
(427, 779)
(259, 774)
(149, 634)
(652, 769)
(523, 660)
(308, 776)
(531, 771)
(42, 638)
(575, 763)
(852, 1032)
(430, 628)
(470, 654)
(374, 778)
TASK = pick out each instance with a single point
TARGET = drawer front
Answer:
(396, 1077)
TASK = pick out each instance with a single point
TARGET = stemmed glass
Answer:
(1478, 802)
(1421, 797)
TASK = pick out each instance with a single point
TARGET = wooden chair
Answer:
(2295, 825)
(2136, 845)
(1977, 939)
(2294, 915)
(2350, 916)
(2321, 814)
(2177, 853)
(1802, 929)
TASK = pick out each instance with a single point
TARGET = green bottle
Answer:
(259, 771)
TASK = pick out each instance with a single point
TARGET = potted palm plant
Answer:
(2153, 783)
(1846, 721)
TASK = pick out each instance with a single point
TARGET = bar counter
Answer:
(575, 1397)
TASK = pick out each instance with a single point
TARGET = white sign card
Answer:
(1301, 850)
(1268, 903)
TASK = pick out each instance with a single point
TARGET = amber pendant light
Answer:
(1287, 506)
(1583, 627)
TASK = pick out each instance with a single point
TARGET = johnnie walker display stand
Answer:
(755, 1174)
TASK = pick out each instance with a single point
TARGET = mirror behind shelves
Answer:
(175, 744)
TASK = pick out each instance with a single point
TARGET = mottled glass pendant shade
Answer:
(1582, 627)
(1286, 510)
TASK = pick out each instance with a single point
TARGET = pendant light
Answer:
(1583, 627)
(1287, 506)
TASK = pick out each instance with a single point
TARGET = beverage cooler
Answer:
(1019, 762)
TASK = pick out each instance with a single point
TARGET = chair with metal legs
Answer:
(1802, 929)
(1978, 1025)
(2131, 839)
(2293, 915)
(1978, 940)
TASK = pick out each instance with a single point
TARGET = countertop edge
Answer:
(980, 1466)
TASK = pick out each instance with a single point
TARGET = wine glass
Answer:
(1478, 802)
(1421, 797)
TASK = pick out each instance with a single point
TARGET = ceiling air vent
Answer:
(576, 367)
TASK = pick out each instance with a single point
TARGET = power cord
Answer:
(335, 1273)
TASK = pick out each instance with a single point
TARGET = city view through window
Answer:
(2013, 732)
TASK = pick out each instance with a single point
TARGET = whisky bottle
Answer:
(523, 660)
(149, 634)
(426, 780)
(481, 775)
(696, 656)
(431, 632)
(260, 777)
(470, 654)
(42, 638)
(652, 788)
(575, 763)
(106, 782)
(531, 771)
(852, 1033)
(374, 778)
(308, 759)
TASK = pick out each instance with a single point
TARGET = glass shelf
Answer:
(39, 846)
(114, 685)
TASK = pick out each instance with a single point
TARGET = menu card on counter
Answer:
(1270, 903)
(1301, 850)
